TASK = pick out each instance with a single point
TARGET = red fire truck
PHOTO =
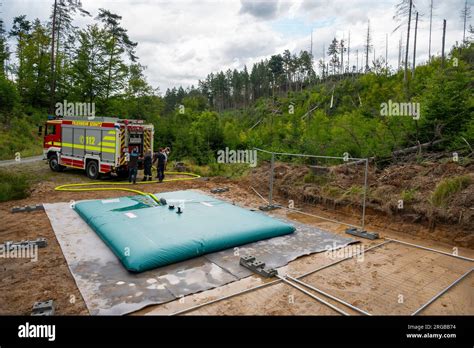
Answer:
(100, 145)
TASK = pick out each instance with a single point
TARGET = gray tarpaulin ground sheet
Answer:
(109, 289)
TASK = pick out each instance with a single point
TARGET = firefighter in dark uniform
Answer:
(160, 166)
(147, 164)
(133, 166)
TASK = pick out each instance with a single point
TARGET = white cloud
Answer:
(182, 41)
(260, 8)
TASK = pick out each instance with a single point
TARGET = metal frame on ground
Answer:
(190, 309)
(293, 280)
(434, 298)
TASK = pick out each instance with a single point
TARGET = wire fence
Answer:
(315, 162)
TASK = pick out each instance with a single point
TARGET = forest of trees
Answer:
(332, 115)
(281, 102)
(95, 64)
(235, 89)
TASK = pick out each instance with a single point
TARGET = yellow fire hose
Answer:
(83, 186)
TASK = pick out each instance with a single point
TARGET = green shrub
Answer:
(218, 169)
(408, 195)
(13, 186)
(19, 137)
(447, 188)
(332, 192)
(354, 193)
(311, 178)
(228, 170)
(9, 97)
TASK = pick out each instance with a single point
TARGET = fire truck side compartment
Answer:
(81, 141)
(105, 139)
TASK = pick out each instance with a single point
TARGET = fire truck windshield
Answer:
(50, 129)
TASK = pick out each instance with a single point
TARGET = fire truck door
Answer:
(67, 141)
(91, 142)
(107, 144)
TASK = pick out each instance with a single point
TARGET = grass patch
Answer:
(408, 196)
(218, 169)
(354, 193)
(13, 186)
(332, 191)
(310, 178)
(447, 188)
(19, 137)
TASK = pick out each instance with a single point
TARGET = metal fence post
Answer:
(270, 195)
(365, 192)
(353, 159)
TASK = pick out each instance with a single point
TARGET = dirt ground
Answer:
(375, 284)
(341, 187)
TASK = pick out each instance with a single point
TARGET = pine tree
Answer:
(61, 28)
(90, 68)
(276, 68)
(368, 46)
(4, 52)
(21, 31)
(431, 26)
(117, 43)
(333, 52)
(465, 15)
(403, 9)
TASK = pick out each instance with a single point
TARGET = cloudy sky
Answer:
(181, 41)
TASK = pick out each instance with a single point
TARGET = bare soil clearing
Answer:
(341, 189)
(373, 284)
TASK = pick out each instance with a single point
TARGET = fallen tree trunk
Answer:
(405, 151)
(416, 148)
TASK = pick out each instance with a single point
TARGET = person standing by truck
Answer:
(167, 155)
(160, 166)
(147, 164)
(133, 166)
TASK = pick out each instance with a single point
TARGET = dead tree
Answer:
(400, 44)
(349, 52)
(405, 8)
(465, 15)
(368, 47)
(414, 46)
(408, 41)
(431, 25)
(444, 41)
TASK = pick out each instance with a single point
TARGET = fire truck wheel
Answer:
(54, 164)
(92, 170)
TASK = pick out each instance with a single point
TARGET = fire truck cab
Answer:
(98, 146)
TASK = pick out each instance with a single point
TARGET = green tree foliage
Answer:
(4, 51)
(116, 44)
(32, 55)
(62, 46)
(272, 77)
(277, 103)
(333, 52)
(21, 32)
(448, 103)
(9, 98)
(37, 65)
(90, 70)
